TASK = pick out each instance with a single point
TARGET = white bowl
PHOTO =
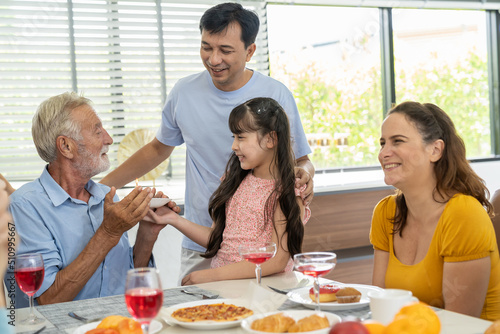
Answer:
(157, 202)
(296, 315)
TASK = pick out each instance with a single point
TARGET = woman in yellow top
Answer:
(434, 236)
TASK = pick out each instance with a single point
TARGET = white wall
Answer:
(167, 252)
(490, 173)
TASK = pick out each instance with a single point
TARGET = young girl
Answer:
(256, 200)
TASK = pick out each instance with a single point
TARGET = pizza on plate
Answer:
(212, 312)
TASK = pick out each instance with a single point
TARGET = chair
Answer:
(495, 201)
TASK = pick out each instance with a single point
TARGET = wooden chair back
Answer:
(495, 200)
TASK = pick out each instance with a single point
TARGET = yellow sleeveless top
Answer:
(464, 232)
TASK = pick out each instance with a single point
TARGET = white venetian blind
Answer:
(123, 55)
(34, 64)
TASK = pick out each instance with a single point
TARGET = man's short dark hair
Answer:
(219, 17)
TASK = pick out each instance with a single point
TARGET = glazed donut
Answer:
(326, 293)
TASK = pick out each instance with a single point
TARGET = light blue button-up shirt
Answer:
(50, 222)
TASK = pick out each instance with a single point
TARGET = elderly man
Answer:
(72, 221)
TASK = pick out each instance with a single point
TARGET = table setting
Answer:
(289, 295)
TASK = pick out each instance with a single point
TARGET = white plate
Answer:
(200, 325)
(296, 315)
(154, 327)
(157, 202)
(301, 296)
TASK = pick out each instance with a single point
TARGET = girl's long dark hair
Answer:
(453, 172)
(264, 116)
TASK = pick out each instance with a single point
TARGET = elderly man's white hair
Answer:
(53, 119)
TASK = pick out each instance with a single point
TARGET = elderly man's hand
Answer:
(121, 216)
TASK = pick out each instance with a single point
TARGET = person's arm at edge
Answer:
(8, 186)
(380, 262)
(140, 163)
(305, 170)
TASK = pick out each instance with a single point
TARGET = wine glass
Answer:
(29, 272)
(258, 253)
(315, 264)
(143, 295)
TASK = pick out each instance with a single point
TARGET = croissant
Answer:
(276, 323)
(311, 323)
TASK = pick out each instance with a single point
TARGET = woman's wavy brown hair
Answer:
(264, 116)
(453, 172)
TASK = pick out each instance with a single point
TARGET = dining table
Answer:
(262, 298)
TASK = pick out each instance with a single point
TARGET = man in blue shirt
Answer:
(78, 225)
(197, 111)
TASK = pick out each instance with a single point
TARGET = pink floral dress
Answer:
(245, 220)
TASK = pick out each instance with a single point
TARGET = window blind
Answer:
(123, 55)
(421, 4)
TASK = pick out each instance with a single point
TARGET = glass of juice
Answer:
(315, 264)
(143, 295)
(29, 272)
(257, 253)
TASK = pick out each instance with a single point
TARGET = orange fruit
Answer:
(494, 328)
(129, 326)
(415, 318)
(374, 327)
(111, 322)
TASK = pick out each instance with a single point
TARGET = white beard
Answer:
(91, 165)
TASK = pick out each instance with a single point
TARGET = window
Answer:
(440, 57)
(123, 55)
(331, 62)
(127, 55)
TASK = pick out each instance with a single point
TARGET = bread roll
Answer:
(348, 295)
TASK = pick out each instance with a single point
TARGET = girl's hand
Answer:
(197, 277)
(164, 215)
(172, 205)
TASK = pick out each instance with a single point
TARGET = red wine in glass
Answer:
(143, 295)
(315, 264)
(257, 253)
(144, 303)
(315, 270)
(257, 258)
(29, 279)
(29, 273)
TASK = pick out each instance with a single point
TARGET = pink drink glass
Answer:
(29, 272)
(143, 295)
(257, 253)
(315, 264)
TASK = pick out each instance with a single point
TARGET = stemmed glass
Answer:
(315, 264)
(258, 253)
(29, 272)
(143, 295)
